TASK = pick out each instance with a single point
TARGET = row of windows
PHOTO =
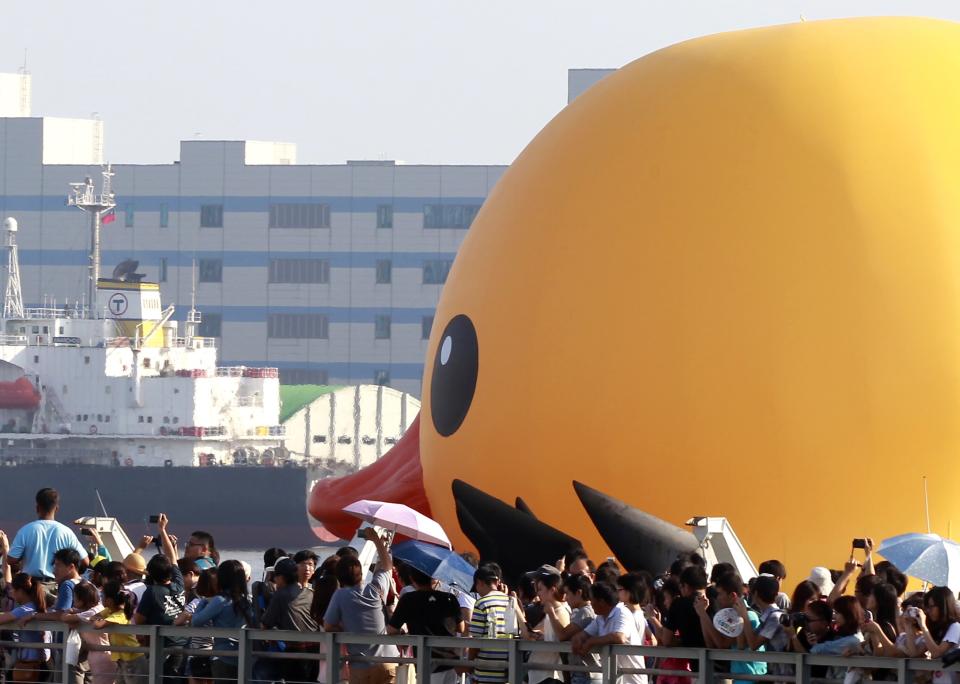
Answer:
(307, 326)
(435, 271)
(299, 271)
(299, 216)
(317, 215)
(298, 326)
(320, 376)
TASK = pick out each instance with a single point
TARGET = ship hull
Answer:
(242, 507)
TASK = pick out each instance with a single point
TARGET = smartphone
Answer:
(86, 533)
(859, 543)
(154, 518)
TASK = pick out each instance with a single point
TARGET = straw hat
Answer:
(135, 564)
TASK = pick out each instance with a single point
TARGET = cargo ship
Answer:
(108, 400)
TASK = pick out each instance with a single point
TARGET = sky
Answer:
(446, 81)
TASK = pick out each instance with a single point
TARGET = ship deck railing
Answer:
(325, 648)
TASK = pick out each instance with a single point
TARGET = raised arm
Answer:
(169, 549)
(383, 554)
(5, 552)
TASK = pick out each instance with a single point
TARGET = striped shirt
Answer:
(489, 622)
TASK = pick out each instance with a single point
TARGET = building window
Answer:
(384, 272)
(426, 325)
(299, 271)
(385, 216)
(381, 377)
(298, 326)
(210, 325)
(164, 215)
(128, 215)
(449, 215)
(211, 270)
(381, 327)
(162, 274)
(211, 216)
(304, 376)
(289, 215)
(435, 271)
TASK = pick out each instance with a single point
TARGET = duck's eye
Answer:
(454, 375)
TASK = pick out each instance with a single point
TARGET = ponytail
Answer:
(31, 588)
(122, 598)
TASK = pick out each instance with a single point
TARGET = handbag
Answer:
(27, 670)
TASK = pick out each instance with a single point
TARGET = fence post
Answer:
(514, 662)
(801, 674)
(155, 656)
(902, 671)
(608, 673)
(424, 658)
(64, 665)
(705, 665)
(332, 662)
(245, 656)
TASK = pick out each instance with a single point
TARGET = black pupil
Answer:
(454, 375)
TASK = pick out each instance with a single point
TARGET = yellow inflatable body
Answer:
(724, 281)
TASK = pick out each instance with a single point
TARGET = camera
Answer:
(912, 612)
(859, 543)
(154, 518)
(793, 620)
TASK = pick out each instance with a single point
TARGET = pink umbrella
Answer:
(400, 519)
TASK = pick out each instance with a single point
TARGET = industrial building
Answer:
(329, 272)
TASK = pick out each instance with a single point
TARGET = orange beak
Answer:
(397, 478)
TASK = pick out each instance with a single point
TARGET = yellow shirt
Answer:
(118, 617)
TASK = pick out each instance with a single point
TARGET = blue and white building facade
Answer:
(329, 272)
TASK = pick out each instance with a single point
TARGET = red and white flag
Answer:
(109, 216)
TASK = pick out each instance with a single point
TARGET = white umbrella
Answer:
(929, 557)
(400, 519)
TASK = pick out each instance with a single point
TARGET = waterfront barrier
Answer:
(252, 645)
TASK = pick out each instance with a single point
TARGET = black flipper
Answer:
(514, 539)
(524, 507)
(640, 541)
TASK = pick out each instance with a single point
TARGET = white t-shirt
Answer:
(621, 619)
(952, 635)
(545, 658)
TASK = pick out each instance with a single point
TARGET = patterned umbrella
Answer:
(928, 557)
(399, 518)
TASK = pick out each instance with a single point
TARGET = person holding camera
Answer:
(774, 622)
(935, 629)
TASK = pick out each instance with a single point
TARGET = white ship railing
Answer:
(13, 339)
(230, 371)
(194, 342)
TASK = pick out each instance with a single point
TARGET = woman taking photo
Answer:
(230, 608)
(935, 629)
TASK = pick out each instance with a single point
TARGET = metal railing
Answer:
(325, 649)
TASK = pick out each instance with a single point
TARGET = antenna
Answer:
(84, 196)
(13, 295)
(193, 316)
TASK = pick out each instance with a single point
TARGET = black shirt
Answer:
(429, 612)
(683, 619)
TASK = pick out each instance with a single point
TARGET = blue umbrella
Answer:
(929, 557)
(437, 562)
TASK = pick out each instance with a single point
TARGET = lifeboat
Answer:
(19, 394)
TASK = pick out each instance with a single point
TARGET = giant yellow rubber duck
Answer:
(724, 281)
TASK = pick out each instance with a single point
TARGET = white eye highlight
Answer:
(446, 348)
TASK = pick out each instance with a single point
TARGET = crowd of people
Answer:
(50, 575)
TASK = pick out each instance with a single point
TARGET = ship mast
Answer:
(13, 296)
(84, 196)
